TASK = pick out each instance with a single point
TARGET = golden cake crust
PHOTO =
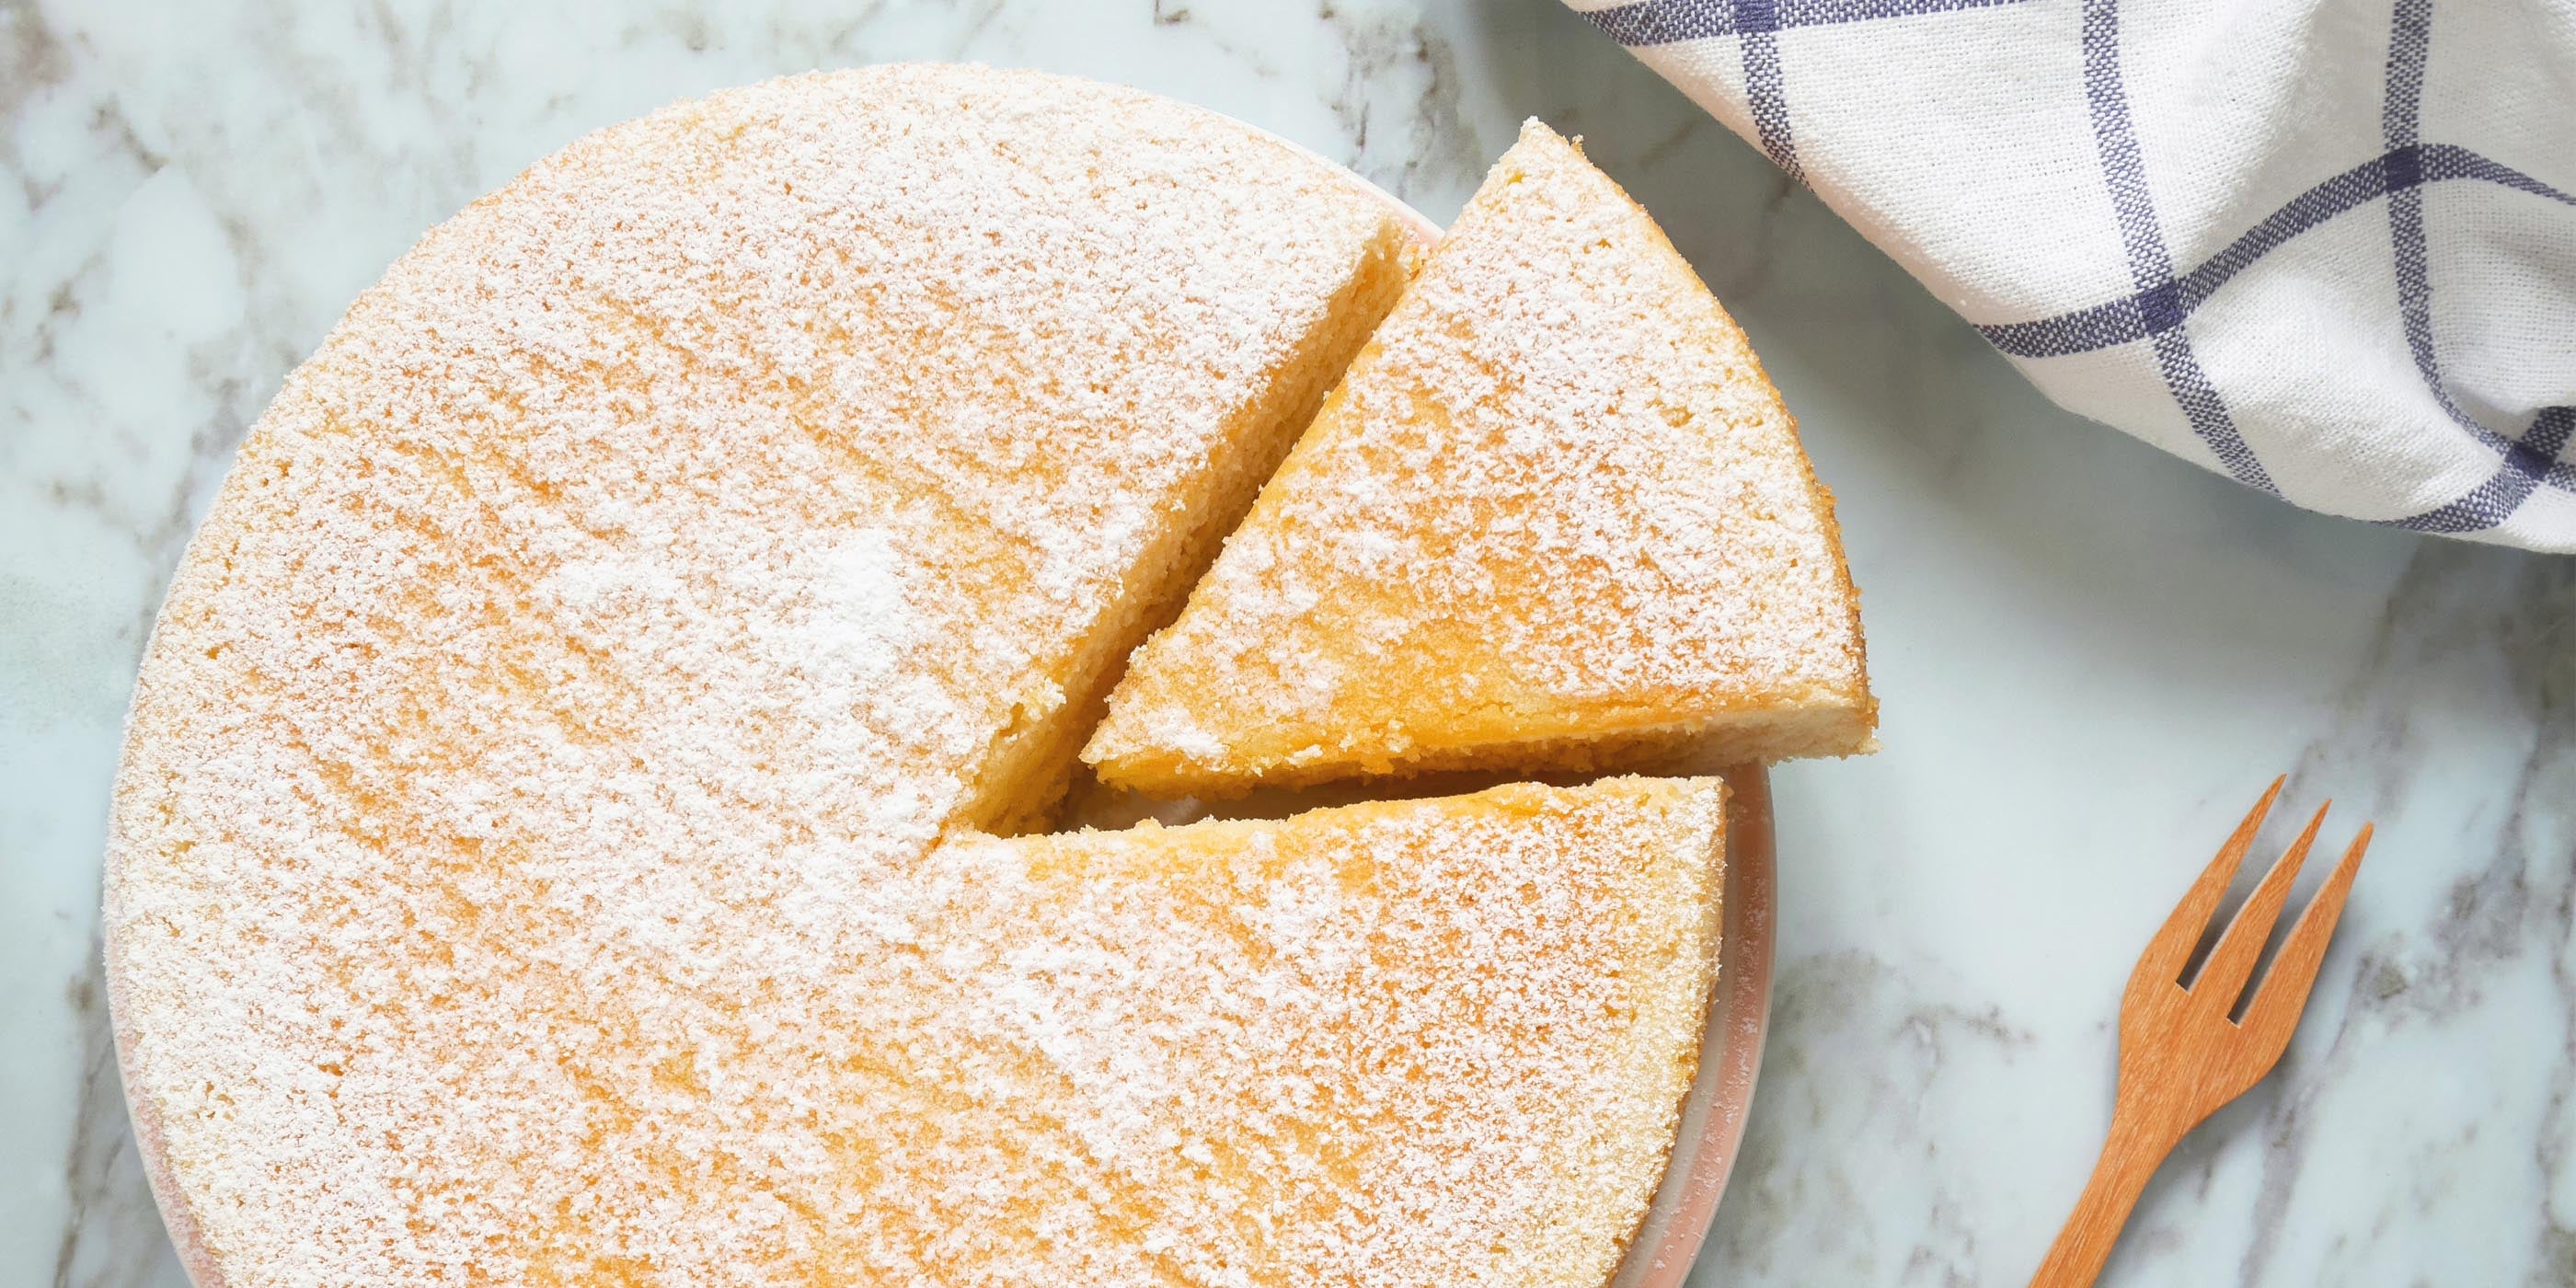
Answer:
(1554, 516)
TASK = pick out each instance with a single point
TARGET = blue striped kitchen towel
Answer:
(2326, 247)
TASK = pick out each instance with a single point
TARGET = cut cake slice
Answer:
(1554, 517)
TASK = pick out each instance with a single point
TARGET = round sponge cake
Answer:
(558, 834)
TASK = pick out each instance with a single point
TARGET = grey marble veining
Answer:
(2092, 656)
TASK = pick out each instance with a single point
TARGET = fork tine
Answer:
(2222, 978)
(2283, 994)
(2166, 954)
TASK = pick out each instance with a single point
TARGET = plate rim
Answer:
(1710, 1132)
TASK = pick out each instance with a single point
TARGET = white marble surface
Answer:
(2092, 656)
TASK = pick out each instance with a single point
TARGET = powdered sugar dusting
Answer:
(1554, 498)
(534, 857)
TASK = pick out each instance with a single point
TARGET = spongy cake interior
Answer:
(1554, 516)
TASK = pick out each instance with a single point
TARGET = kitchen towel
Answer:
(2325, 247)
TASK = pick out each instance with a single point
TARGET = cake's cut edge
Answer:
(1030, 766)
(1840, 726)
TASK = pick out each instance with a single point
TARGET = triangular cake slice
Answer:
(1407, 1042)
(1554, 517)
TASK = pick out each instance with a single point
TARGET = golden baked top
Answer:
(1552, 514)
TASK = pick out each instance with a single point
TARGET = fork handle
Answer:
(2130, 1155)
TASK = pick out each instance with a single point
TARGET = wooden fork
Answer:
(2181, 1057)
